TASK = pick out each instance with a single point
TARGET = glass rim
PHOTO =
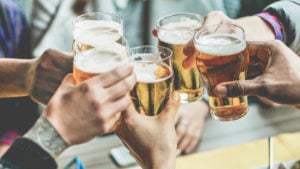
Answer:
(168, 56)
(159, 26)
(94, 14)
(206, 28)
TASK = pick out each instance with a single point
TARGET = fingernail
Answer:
(220, 90)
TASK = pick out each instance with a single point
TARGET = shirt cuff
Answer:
(9, 137)
(273, 22)
(27, 154)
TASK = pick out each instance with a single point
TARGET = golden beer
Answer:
(151, 93)
(175, 35)
(223, 58)
(98, 45)
(154, 73)
(95, 61)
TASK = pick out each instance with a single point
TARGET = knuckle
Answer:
(263, 89)
(84, 88)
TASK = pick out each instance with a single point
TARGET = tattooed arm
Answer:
(45, 135)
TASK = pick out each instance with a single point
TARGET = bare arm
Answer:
(256, 29)
(13, 74)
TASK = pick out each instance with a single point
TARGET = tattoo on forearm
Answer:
(44, 134)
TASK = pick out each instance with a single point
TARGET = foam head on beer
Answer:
(178, 32)
(174, 32)
(154, 78)
(222, 57)
(99, 47)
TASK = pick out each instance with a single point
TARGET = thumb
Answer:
(68, 80)
(237, 88)
(172, 106)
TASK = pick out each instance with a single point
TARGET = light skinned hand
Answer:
(81, 112)
(280, 80)
(255, 30)
(190, 121)
(151, 139)
(46, 73)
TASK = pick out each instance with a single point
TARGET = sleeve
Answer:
(287, 12)
(26, 154)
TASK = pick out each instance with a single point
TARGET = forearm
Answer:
(45, 135)
(256, 29)
(287, 12)
(13, 77)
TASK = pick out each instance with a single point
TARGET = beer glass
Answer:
(153, 68)
(174, 32)
(98, 44)
(221, 57)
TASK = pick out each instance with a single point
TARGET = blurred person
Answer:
(17, 114)
(61, 124)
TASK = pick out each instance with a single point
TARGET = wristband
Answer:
(273, 22)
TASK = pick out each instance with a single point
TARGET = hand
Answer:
(46, 73)
(189, 125)
(151, 139)
(255, 30)
(83, 111)
(213, 18)
(279, 82)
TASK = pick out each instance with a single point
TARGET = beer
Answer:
(88, 34)
(175, 35)
(98, 46)
(154, 83)
(223, 58)
(95, 61)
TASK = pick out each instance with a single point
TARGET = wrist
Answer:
(256, 29)
(164, 163)
(13, 77)
(46, 136)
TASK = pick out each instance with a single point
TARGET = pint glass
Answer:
(221, 57)
(98, 44)
(174, 32)
(153, 68)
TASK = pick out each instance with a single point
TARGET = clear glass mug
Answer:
(98, 44)
(222, 56)
(174, 32)
(153, 69)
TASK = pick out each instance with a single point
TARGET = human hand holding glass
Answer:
(174, 31)
(98, 44)
(221, 56)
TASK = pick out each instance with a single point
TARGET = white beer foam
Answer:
(178, 32)
(91, 32)
(220, 44)
(102, 59)
(145, 70)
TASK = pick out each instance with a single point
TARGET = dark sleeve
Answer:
(26, 154)
(287, 12)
